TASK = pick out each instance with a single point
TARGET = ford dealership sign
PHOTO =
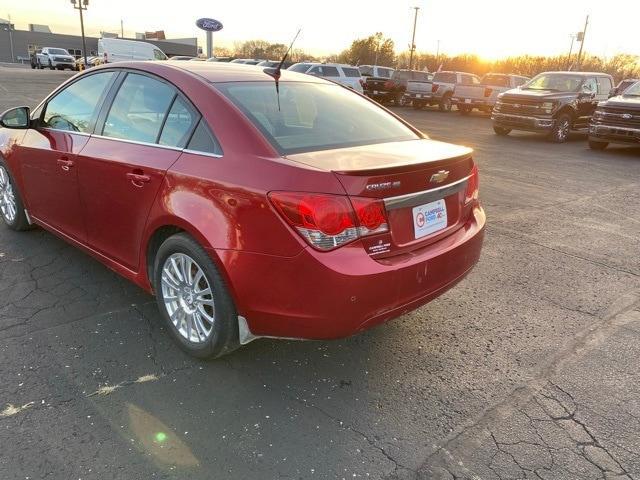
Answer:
(209, 24)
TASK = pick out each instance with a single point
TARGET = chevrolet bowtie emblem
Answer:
(439, 177)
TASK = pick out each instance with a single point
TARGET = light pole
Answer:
(82, 5)
(581, 37)
(413, 38)
(9, 28)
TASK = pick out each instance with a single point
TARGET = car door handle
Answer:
(138, 179)
(65, 163)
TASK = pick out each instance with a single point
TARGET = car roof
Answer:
(215, 72)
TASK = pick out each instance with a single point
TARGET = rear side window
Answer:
(445, 77)
(75, 108)
(203, 141)
(178, 125)
(158, 55)
(330, 71)
(351, 72)
(139, 109)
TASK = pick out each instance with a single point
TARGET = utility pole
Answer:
(121, 28)
(581, 40)
(438, 54)
(413, 38)
(82, 5)
(573, 37)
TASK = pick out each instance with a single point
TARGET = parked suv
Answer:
(55, 58)
(444, 84)
(346, 75)
(554, 103)
(483, 96)
(617, 120)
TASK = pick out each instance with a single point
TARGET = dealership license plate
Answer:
(375, 92)
(467, 100)
(429, 218)
(418, 96)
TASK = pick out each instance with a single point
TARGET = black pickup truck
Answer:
(554, 103)
(617, 120)
(393, 89)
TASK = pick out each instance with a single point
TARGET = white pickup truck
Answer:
(484, 95)
(55, 58)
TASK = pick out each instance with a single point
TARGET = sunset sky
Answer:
(490, 28)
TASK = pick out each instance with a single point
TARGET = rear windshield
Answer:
(299, 67)
(445, 77)
(421, 76)
(496, 80)
(314, 116)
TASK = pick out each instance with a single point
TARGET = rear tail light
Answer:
(330, 221)
(363, 83)
(488, 92)
(473, 186)
(389, 85)
(434, 88)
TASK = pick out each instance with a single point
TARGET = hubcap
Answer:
(188, 297)
(563, 130)
(8, 207)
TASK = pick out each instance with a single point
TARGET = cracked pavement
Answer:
(526, 370)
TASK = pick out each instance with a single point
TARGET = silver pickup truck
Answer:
(484, 95)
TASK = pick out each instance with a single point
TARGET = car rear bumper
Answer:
(614, 134)
(326, 295)
(427, 97)
(521, 122)
(473, 102)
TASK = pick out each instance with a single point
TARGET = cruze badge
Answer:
(382, 186)
(439, 177)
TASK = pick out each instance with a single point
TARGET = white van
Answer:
(112, 50)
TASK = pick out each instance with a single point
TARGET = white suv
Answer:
(347, 75)
(55, 58)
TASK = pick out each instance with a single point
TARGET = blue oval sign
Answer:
(209, 24)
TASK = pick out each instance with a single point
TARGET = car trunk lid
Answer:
(421, 182)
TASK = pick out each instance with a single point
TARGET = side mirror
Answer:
(17, 117)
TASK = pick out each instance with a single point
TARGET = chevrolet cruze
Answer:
(250, 203)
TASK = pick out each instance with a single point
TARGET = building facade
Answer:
(25, 42)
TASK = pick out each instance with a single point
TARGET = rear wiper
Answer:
(275, 72)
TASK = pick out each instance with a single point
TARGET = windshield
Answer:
(314, 116)
(58, 51)
(633, 90)
(559, 82)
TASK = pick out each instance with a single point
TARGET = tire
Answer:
(401, 100)
(418, 105)
(596, 145)
(223, 336)
(445, 103)
(464, 110)
(51, 67)
(33, 66)
(561, 129)
(14, 217)
(503, 132)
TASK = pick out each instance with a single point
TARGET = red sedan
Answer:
(250, 207)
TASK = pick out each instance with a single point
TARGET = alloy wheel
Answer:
(188, 298)
(8, 205)
(563, 130)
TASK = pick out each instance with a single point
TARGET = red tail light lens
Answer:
(488, 92)
(363, 83)
(434, 88)
(473, 186)
(371, 214)
(330, 221)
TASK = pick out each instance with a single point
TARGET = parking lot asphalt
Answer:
(527, 369)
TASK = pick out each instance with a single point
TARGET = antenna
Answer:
(275, 72)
